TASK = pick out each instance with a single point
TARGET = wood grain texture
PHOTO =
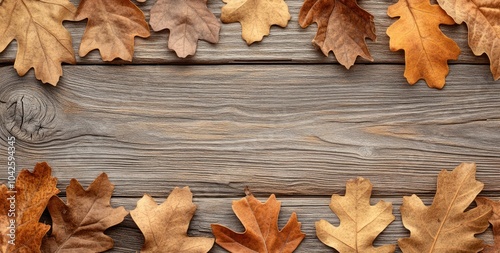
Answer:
(289, 45)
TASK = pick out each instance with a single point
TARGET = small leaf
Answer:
(495, 222)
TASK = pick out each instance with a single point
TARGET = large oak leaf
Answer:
(427, 49)
(255, 16)
(165, 226)
(42, 41)
(188, 22)
(483, 20)
(342, 28)
(261, 228)
(30, 197)
(360, 223)
(79, 225)
(444, 227)
(111, 28)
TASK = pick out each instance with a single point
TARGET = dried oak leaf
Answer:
(165, 226)
(255, 16)
(111, 28)
(42, 41)
(360, 223)
(188, 22)
(444, 227)
(30, 197)
(342, 28)
(495, 222)
(261, 228)
(483, 20)
(79, 225)
(427, 49)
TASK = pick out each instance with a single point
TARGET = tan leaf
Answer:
(188, 22)
(494, 220)
(112, 26)
(427, 49)
(483, 20)
(261, 228)
(444, 227)
(42, 41)
(79, 225)
(30, 197)
(255, 16)
(360, 223)
(342, 28)
(165, 226)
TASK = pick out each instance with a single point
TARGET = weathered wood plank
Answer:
(292, 130)
(290, 45)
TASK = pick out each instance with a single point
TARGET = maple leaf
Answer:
(79, 225)
(255, 16)
(494, 220)
(111, 28)
(165, 226)
(28, 201)
(342, 28)
(427, 49)
(360, 223)
(261, 228)
(483, 20)
(42, 41)
(444, 226)
(188, 21)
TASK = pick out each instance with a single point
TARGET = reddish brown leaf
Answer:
(342, 28)
(261, 228)
(495, 222)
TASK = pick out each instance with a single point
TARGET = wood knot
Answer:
(29, 117)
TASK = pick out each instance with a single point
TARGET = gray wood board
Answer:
(289, 45)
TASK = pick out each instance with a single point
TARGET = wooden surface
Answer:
(276, 116)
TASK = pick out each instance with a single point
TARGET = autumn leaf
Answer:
(360, 223)
(111, 28)
(494, 220)
(261, 228)
(255, 16)
(28, 200)
(188, 22)
(165, 226)
(427, 49)
(483, 20)
(444, 226)
(342, 28)
(42, 41)
(79, 225)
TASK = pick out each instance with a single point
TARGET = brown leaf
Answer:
(79, 225)
(255, 16)
(495, 222)
(165, 226)
(427, 49)
(483, 20)
(360, 223)
(261, 228)
(444, 227)
(342, 28)
(30, 197)
(111, 28)
(188, 22)
(42, 41)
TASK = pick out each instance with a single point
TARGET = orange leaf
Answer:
(111, 28)
(494, 220)
(483, 20)
(43, 42)
(444, 227)
(29, 198)
(261, 228)
(165, 226)
(188, 21)
(79, 225)
(342, 28)
(427, 49)
(255, 16)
